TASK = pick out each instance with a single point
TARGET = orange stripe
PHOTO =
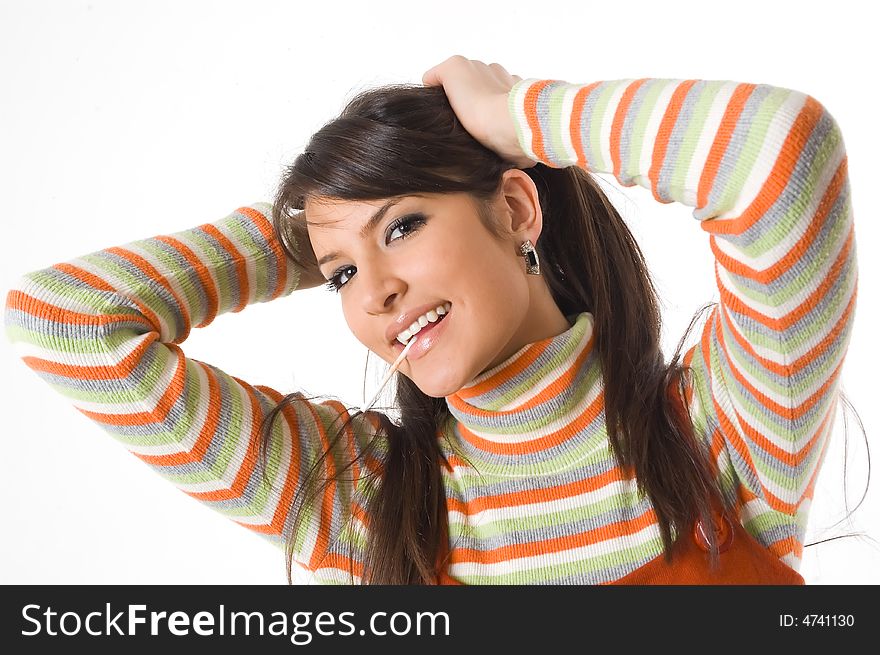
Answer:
(552, 390)
(240, 265)
(560, 384)
(809, 304)
(531, 112)
(501, 377)
(787, 413)
(93, 372)
(734, 441)
(326, 509)
(617, 124)
(246, 470)
(786, 455)
(152, 273)
(291, 475)
(266, 228)
(783, 169)
(546, 494)
(789, 370)
(98, 283)
(206, 432)
(163, 406)
(539, 443)
(204, 277)
(577, 112)
(799, 249)
(559, 544)
(722, 138)
(661, 140)
(30, 305)
(785, 546)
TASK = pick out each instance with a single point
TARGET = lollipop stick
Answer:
(394, 367)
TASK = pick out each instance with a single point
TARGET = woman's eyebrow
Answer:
(371, 224)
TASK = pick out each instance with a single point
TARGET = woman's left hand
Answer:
(478, 95)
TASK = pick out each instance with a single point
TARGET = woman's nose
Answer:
(381, 291)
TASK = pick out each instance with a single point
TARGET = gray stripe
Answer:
(751, 109)
(586, 118)
(626, 134)
(779, 218)
(559, 351)
(262, 247)
(676, 139)
(495, 485)
(147, 283)
(227, 277)
(553, 406)
(513, 536)
(179, 268)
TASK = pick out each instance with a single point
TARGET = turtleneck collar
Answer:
(536, 410)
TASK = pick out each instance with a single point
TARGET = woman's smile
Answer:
(425, 338)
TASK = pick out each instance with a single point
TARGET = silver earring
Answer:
(533, 266)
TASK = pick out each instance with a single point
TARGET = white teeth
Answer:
(431, 316)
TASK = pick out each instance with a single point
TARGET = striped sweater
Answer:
(534, 494)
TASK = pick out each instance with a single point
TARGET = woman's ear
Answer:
(520, 206)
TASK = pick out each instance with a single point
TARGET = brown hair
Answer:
(403, 139)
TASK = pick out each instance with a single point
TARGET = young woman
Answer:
(538, 435)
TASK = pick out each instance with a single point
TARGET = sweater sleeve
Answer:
(765, 170)
(104, 331)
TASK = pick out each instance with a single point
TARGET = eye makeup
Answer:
(413, 222)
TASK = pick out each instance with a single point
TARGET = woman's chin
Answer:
(439, 388)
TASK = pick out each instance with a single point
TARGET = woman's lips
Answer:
(425, 339)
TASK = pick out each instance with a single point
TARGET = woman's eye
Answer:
(406, 226)
(340, 278)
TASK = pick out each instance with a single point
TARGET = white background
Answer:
(125, 120)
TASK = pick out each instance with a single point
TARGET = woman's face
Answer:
(428, 251)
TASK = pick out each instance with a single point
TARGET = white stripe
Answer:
(785, 442)
(519, 105)
(568, 96)
(78, 358)
(551, 375)
(783, 307)
(599, 549)
(707, 134)
(185, 442)
(36, 289)
(558, 422)
(125, 292)
(245, 250)
(175, 275)
(514, 512)
(767, 259)
(790, 351)
(652, 126)
(774, 138)
(619, 87)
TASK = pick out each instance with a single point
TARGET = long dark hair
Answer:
(403, 139)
